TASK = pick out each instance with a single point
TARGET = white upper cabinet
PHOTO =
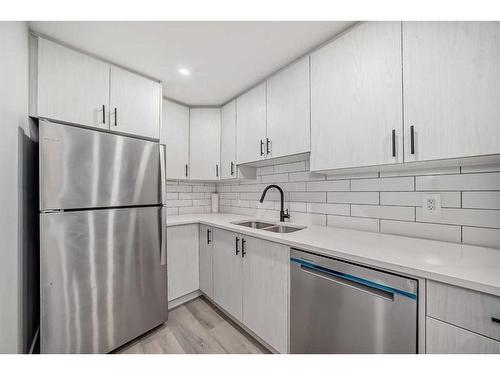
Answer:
(251, 125)
(451, 86)
(356, 98)
(67, 85)
(288, 110)
(175, 135)
(204, 148)
(228, 141)
(134, 104)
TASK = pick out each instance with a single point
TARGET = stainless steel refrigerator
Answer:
(103, 274)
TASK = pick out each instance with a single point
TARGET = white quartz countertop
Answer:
(467, 266)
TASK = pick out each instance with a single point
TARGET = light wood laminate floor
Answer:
(195, 327)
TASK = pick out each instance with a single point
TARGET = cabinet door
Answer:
(451, 76)
(227, 272)
(206, 279)
(182, 260)
(175, 135)
(134, 104)
(356, 98)
(444, 338)
(228, 141)
(265, 290)
(71, 87)
(251, 125)
(288, 110)
(204, 148)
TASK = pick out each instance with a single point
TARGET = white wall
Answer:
(13, 115)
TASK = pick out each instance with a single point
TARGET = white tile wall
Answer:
(189, 198)
(389, 202)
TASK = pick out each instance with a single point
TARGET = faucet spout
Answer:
(283, 215)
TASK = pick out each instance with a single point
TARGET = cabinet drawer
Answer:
(465, 308)
(443, 338)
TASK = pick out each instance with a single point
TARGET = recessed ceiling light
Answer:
(184, 72)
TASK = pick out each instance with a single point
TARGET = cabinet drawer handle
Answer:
(393, 143)
(103, 114)
(412, 140)
(209, 240)
(232, 168)
(243, 251)
(495, 320)
(237, 241)
(261, 147)
(186, 168)
(216, 170)
(116, 117)
(268, 142)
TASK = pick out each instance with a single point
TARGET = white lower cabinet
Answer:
(182, 260)
(265, 290)
(206, 252)
(227, 272)
(461, 320)
(444, 338)
(250, 281)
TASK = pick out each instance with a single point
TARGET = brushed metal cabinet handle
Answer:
(116, 117)
(412, 140)
(103, 114)
(393, 143)
(268, 142)
(237, 241)
(243, 250)
(261, 147)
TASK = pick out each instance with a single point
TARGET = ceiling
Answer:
(224, 58)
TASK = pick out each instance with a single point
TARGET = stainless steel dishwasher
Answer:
(340, 307)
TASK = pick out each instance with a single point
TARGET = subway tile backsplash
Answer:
(189, 197)
(387, 202)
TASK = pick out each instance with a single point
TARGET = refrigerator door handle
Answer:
(163, 174)
(163, 242)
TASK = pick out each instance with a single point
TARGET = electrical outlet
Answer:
(431, 204)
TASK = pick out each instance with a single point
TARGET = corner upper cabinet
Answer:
(288, 110)
(204, 148)
(175, 135)
(251, 125)
(134, 104)
(67, 85)
(356, 96)
(451, 73)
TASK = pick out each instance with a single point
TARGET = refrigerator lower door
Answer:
(103, 281)
(83, 168)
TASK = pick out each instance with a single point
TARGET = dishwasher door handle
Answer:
(347, 281)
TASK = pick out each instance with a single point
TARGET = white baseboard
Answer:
(183, 299)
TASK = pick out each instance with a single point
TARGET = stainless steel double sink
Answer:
(270, 227)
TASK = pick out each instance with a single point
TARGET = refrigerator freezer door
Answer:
(102, 281)
(82, 168)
